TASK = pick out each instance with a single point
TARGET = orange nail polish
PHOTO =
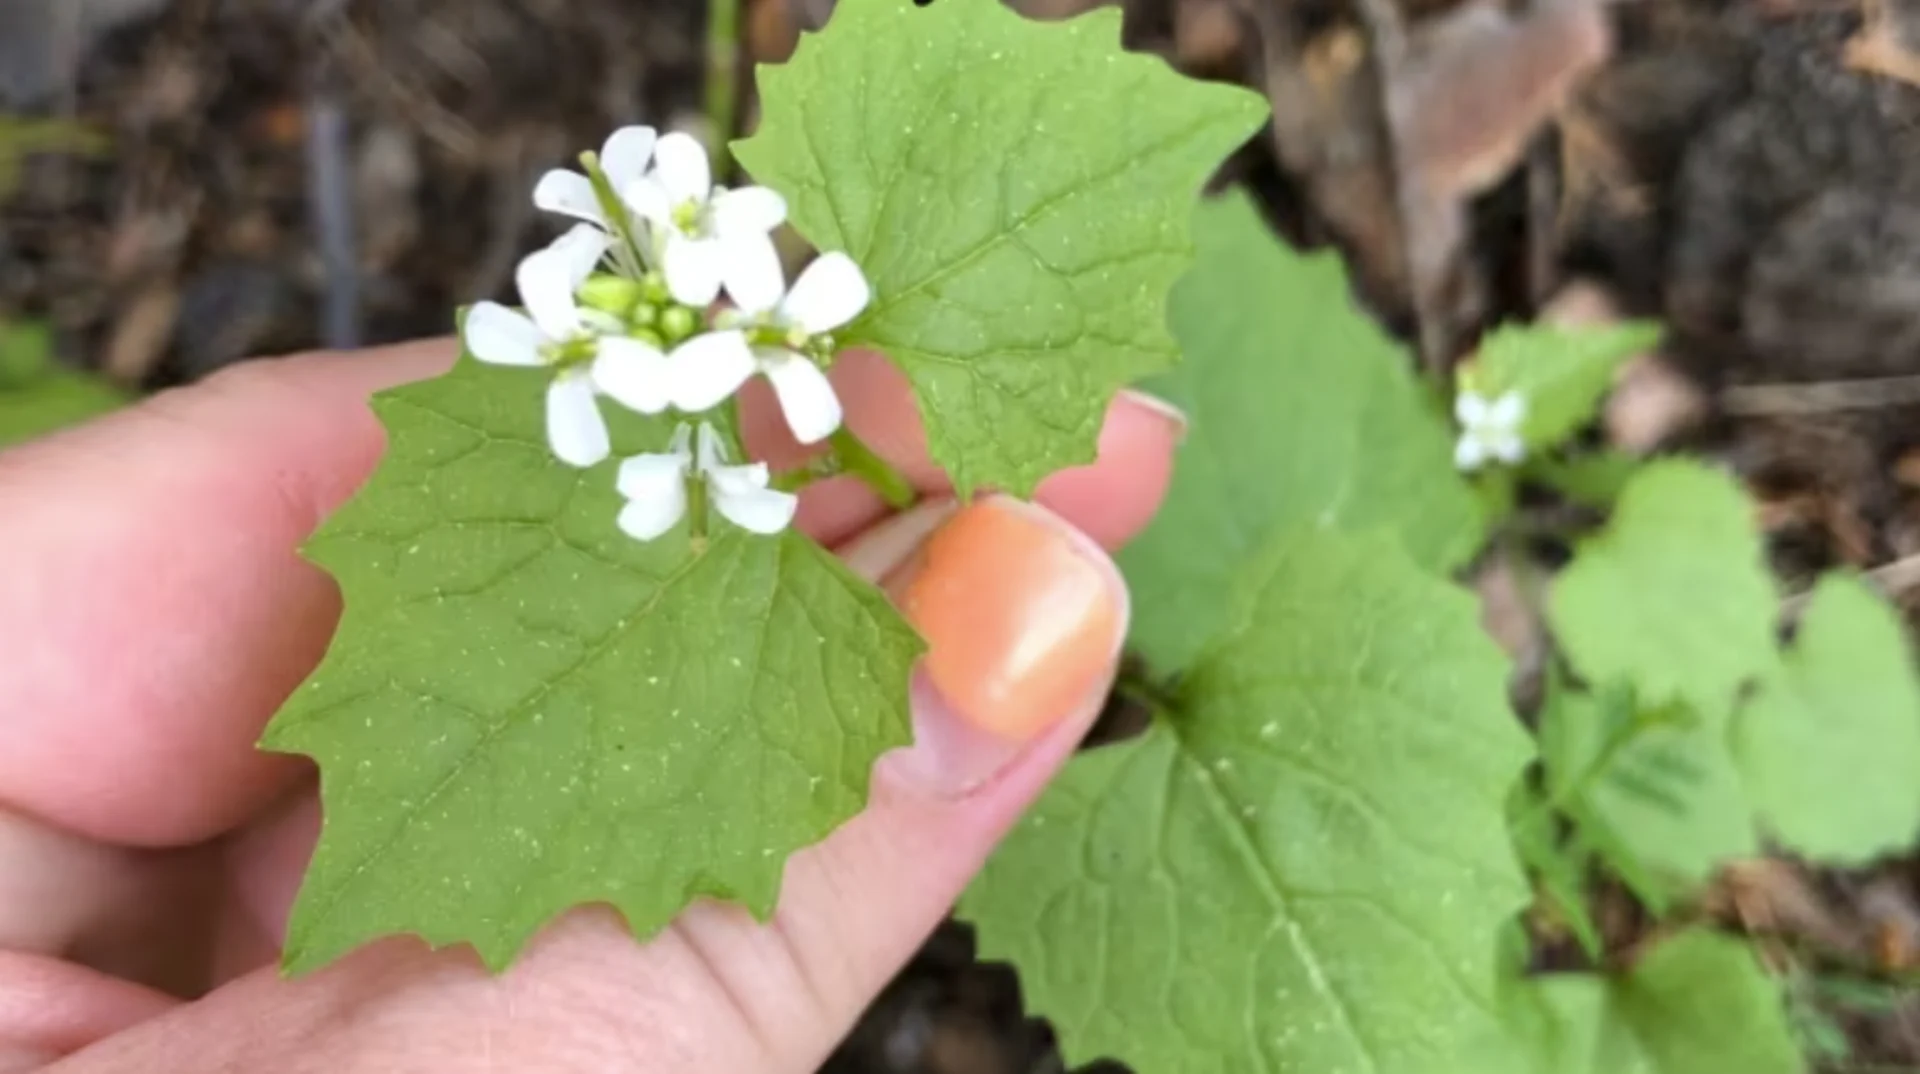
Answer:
(1020, 618)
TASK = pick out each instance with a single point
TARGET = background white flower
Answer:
(830, 293)
(655, 487)
(712, 237)
(554, 330)
(624, 158)
(1489, 430)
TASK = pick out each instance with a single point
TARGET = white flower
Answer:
(624, 158)
(655, 487)
(830, 293)
(707, 236)
(1489, 430)
(557, 332)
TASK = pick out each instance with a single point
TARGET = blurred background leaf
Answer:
(37, 395)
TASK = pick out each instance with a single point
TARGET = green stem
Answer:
(697, 513)
(723, 50)
(858, 459)
(818, 469)
(615, 210)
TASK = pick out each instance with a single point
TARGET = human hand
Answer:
(153, 614)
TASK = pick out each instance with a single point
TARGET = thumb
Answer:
(1024, 619)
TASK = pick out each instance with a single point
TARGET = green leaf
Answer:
(37, 397)
(26, 353)
(1673, 598)
(1017, 193)
(1562, 373)
(1831, 746)
(1669, 793)
(1303, 413)
(1656, 791)
(53, 402)
(1303, 868)
(1697, 1004)
(523, 710)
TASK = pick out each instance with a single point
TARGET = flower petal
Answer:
(831, 292)
(680, 163)
(653, 476)
(693, 269)
(732, 479)
(500, 336)
(545, 278)
(1469, 453)
(645, 518)
(575, 429)
(580, 249)
(633, 374)
(649, 201)
(627, 153)
(1508, 448)
(706, 369)
(682, 438)
(806, 397)
(1469, 409)
(750, 210)
(750, 269)
(709, 453)
(1507, 411)
(570, 194)
(744, 500)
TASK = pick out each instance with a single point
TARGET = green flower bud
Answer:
(644, 314)
(610, 294)
(654, 289)
(679, 322)
(648, 336)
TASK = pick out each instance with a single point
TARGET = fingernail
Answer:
(1023, 618)
(1159, 407)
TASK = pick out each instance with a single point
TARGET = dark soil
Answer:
(285, 174)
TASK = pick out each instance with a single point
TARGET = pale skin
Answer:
(153, 613)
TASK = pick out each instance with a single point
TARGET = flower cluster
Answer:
(622, 307)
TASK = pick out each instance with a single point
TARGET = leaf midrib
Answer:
(1249, 849)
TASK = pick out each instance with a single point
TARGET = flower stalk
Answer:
(856, 458)
(626, 250)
